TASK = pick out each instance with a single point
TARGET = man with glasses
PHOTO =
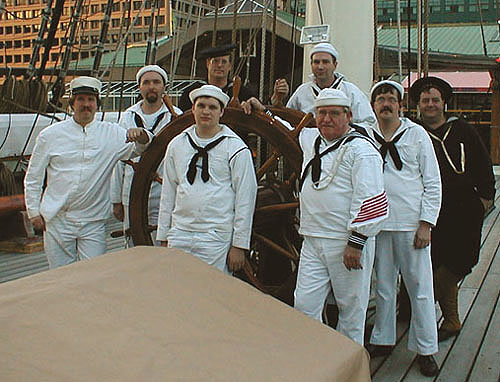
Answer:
(342, 206)
(413, 186)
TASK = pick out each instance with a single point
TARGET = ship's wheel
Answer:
(272, 261)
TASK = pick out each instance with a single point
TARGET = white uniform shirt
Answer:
(79, 162)
(350, 193)
(123, 174)
(225, 202)
(414, 192)
(303, 99)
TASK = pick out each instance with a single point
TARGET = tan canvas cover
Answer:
(157, 314)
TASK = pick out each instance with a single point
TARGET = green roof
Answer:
(449, 39)
(135, 57)
(288, 17)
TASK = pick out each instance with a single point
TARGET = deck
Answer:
(473, 356)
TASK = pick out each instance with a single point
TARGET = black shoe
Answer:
(444, 334)
(379, 350)
(428, 365)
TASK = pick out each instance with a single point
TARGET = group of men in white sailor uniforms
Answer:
(375, 186)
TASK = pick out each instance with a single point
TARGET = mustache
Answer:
(386, 108)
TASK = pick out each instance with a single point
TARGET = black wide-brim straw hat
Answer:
(443, 86)
(217, 51)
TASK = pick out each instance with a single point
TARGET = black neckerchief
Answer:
(315, 162)
(391, 147)
(336, 83)
(140, 123)
(203, 153)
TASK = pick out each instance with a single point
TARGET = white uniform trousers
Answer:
(67, 241)
(212, 246)
(321, 270)
(394, 253)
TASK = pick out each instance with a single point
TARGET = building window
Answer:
(17, 58)
(26, 58)
(94, 24)
(147, 20)
(94, 39)
(115, 23)
(26, 43)
(1, 30)
(160, 19)
(137, 37)
(26, 29)
(54, 56)
(8, 59)
(116, 7)
(74, 55)
(8, 30)
(84, 55)
(1, 59)
(17, 29)
(94, 8)
(8, 44)
(137, 5)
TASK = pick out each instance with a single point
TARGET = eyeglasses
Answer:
(382, 99)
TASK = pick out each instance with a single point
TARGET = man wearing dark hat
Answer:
(468, 191)
(413, 186)
(324, 59)
(219, 65)
(152, 114)
(342, 207)
(77, 156)
(209, 187)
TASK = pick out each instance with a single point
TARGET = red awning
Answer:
(465, 82)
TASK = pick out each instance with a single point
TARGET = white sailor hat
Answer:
(332, 97)
(394, 84)
(325, 47)
(209, 91)
(152, 68)
(85, 85)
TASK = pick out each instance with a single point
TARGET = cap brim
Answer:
(217, 51)
(85, 90)
(444, 87)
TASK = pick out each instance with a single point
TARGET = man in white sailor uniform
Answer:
(413, 186)
(324, 58)
(152, 114)
(77, 156)
(209, 187)
(342, 205)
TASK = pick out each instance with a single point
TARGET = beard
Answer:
(152, 97)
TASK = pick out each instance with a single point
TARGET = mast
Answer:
(58, 86)
(39, 39)
(102, 38)
(151, 35)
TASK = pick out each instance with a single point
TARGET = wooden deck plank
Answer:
(461, 359)
(396, 367)
(487, 365)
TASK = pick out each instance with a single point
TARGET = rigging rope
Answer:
(193, 59)
(426, 38)
(214, 33)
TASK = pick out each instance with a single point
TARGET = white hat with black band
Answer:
(332, 97)
(209, 91)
